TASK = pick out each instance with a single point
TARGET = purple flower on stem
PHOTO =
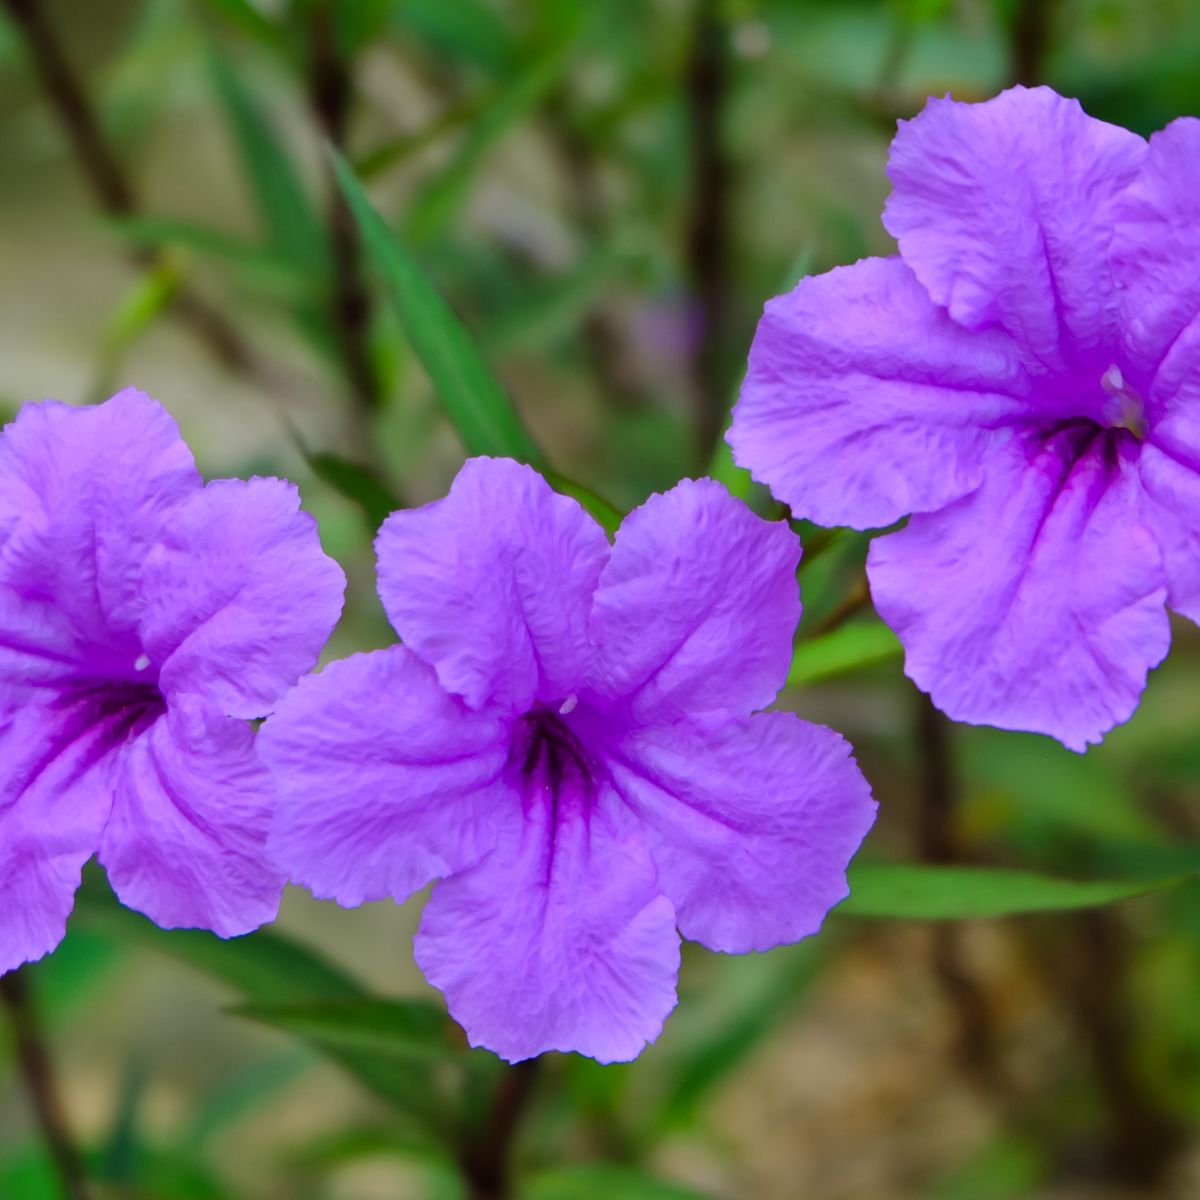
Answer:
(1025, 380)
(144, 615)
(565, 740)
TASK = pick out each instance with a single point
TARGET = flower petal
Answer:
(59, 769)
(1156, 259)
(386, 782)
(240, 597)
(186, 841)
(751, 823)
(1035, 603)
(697, 606)
(492, 584)
(864, 402)
(559, 939)
(84, 495)
(1170, 471)
(1005, 212)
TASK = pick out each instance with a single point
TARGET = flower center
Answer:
(1124, 408)
(549, 754)
(119, 709)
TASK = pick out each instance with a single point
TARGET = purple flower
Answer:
(1025, 379)
(143, 616)
(565, 741)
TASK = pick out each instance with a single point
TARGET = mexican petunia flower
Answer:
(1025, 380)
(565, 741)
(144, 615)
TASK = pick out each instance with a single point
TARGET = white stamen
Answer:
(568, 705)
(141, 662)
(1112, 380)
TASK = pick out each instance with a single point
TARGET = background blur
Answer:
(606, 191)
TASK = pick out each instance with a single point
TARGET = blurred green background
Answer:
(605, 191)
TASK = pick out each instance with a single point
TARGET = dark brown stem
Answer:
(330, 93)
(38, 1072)
(104, 174)
(1143, 1139)
(938, 843)
(486, 1159)
(708, 250)
(1030, 41)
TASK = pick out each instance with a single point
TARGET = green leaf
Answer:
(248, 19)
(607, 515)
(950, 893)
(158, 232)
(847, 648)
(265, 966)
(358, 484)
(289, 220)
(407, 1029)
(603, 1181)
(473, 399)
(439, 201)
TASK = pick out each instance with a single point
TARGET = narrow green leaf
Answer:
(288, 217)
(265, 966)
(141, 306)
(358, 484)
(473, 399)
(158, 232)
(848, 648)
(603, 1181)
(607, 515)
(949, 893)
(248, 19)
(408, 1029)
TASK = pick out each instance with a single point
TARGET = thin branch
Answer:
(103, 171)
(486, 1159)
(38, 1073)
(330, 92)
(708, 240)
(1030, 41)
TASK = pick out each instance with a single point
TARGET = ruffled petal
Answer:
(84, 495)
(1037, 602)
(559, 939)
(1005, 212)
(1170, 470)
(751, 823)
(186, 841)
(864, 402)
(492, 584)
(697, 607)
(239, 596)
(386, 782)
(1156, 260)
(60, 760)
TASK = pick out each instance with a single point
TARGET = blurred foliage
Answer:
(438, 227)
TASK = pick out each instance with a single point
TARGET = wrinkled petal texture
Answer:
(84, 495)
(60, 765)
(492, 585)
(186, 841)
(1035, 603)
(751, 823)
(386, 782)
(1005, 212)
(864, 402)
(696, 609)
(240, 597)
(559, 939)
(1156, 259)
